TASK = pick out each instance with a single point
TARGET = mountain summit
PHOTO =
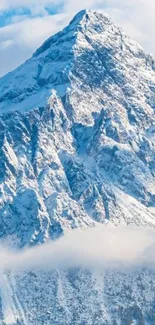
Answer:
(77, 149)
(91, 46)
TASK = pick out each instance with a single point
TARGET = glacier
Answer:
(77, 149)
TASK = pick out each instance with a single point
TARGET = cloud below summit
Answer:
(100, 247)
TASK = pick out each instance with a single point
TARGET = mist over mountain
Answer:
(77, 150)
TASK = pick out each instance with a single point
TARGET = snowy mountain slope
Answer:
(77, 148)
(87, 156)
(78, 297)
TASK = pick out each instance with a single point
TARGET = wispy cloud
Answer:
(100, 247)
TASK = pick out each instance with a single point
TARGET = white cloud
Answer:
(75, 6)
(100, 247)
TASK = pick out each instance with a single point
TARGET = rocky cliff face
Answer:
(77, 148)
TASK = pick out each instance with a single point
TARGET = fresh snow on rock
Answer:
(77, 148)
(7, 301)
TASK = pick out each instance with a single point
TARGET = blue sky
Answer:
(25, 24)
(8, 16)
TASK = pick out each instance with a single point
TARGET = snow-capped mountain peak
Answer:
(77, 139)
(55, 64)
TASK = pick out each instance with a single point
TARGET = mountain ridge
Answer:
(87, 148)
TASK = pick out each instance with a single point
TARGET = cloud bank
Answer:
(100, 247)
(24, 33)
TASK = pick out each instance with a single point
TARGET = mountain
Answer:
(77, 149)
